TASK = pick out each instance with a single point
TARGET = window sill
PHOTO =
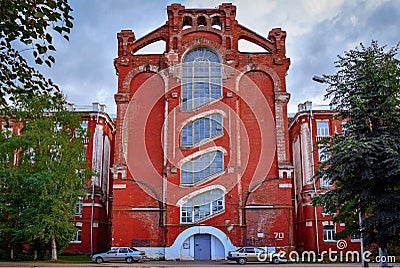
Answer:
(203, 219)
(328, 214)
(75, 242)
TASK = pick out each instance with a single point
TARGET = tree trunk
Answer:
(383, 257)
(361, 218)
(12, 253)
(35, 255)
(53, 249)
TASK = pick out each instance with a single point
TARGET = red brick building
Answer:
(314, 229)
(202, 160)
(94, 209)
(93, 215)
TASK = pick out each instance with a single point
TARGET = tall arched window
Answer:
(202, 206)
(202, 167)
(202, 129)
(201, 78)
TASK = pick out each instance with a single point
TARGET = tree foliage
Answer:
(43, 171)
(365, 161)
(28, 26)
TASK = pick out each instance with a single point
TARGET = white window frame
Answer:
(210, 168)
(355, 238)
(191, 78)
(323, 131)
(198, 215)
(77, 236)
(79, 207)
(324, 183)
(212, 122)
(329, 235)
(322, 156)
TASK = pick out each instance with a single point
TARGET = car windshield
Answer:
(112, 251)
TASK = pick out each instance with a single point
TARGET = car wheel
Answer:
(275, 261)
(129, 260)
(99, 260)
(242, 261)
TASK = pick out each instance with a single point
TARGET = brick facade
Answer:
(307, 129)
(149, 194)
(95, 208)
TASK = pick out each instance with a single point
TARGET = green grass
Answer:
(73, 259)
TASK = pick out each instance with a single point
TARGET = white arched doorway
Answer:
(200, 242)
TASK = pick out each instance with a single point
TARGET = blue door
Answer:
(202, 247)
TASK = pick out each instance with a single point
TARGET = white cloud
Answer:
(317, 31)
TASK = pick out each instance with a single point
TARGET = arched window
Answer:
(201, 78)
(202, 167)
(187, 23)
(204, 128)
(202, 206)
(216, 23)
(201, 21)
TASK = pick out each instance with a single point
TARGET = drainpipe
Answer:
(164, 183)
(92, 192)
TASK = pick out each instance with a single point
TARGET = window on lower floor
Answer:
(202, 206)
(329, 233)
(323, 153)
(324, 182)
(79, 206)
(355, 237)
(78, 236)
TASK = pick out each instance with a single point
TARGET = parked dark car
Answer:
(120, 254)
(254, 254)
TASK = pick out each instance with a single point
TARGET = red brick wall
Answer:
(250, 139)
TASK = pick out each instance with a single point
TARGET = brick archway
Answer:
(174, 252)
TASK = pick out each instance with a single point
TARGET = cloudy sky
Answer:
(317, 31)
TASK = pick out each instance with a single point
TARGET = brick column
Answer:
(122, 100)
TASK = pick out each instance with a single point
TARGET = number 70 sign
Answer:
(279, 235)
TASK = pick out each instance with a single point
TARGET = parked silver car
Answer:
(254, 254)
(120, 254)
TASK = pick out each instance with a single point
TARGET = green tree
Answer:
(43, 172)
(28, 26)
(365, 161)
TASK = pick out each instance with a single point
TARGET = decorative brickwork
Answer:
(154, 205)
